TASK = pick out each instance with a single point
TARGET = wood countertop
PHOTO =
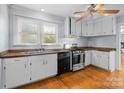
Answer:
(33, 52)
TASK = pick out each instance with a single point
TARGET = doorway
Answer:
(121, 44)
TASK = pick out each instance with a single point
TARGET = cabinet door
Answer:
(90, 30)
(94, 57)
(84, 28)
(73, 27)
(16, 72)
(104, 60)
(98, 27)
(50, 65)
(87, 58)
(78, 28)
(37, 67)
(108, 26)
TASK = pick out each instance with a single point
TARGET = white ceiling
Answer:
(67, 9)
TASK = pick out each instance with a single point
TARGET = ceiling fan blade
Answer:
(107, 11)
(98, 6)
(87, 13)
(79, 12)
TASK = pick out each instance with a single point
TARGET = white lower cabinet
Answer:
(43, 66)
(105, 60)
(50, 65)
(87, 58)
(15, 72)
(36, 67)
(22, 70)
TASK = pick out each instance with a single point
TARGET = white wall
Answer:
(82, 41)
(3, 27)
(103, 41)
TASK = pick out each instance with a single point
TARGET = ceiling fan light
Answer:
(77, 15)
(106, 14)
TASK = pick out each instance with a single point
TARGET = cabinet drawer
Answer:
(14, 60)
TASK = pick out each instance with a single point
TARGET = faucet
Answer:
(42, 49)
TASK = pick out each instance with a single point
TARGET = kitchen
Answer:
(39, 46)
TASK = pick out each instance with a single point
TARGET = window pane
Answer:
(49, 38)
(50, 33)
(28, 28)
(27, 31)
(122, 28)
(28, 38)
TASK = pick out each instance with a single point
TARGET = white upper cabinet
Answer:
(79, 28)
(108, 26)
(84, 28)
(99, 27)
(73, 27)
(89, 28)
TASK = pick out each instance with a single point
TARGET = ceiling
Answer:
(67, 9)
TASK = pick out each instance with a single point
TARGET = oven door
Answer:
(76, 58)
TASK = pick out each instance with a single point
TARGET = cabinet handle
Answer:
(43, 62)
(46, 62)
(30, 64)
(25, 65)
(17, 60)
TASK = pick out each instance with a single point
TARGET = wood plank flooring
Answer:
(89, 78)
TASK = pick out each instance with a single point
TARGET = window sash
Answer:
(18, 31)
(55, 33)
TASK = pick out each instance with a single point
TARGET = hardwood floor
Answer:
(89, 78)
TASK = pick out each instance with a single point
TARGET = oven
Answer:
(78, 60)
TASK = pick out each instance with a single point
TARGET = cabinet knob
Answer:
(30, 64)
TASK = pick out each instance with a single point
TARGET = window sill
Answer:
(56, 44)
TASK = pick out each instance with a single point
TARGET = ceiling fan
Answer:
(94, 8)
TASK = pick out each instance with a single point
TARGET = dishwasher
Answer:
(63, 62)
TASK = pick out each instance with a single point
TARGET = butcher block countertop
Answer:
(33, 52)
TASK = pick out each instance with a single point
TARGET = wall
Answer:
(103, 41)
(3, 27)
(82, 41)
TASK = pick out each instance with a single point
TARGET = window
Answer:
(122, 28)
(29, 31)
(50, 33)
(26, 32)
